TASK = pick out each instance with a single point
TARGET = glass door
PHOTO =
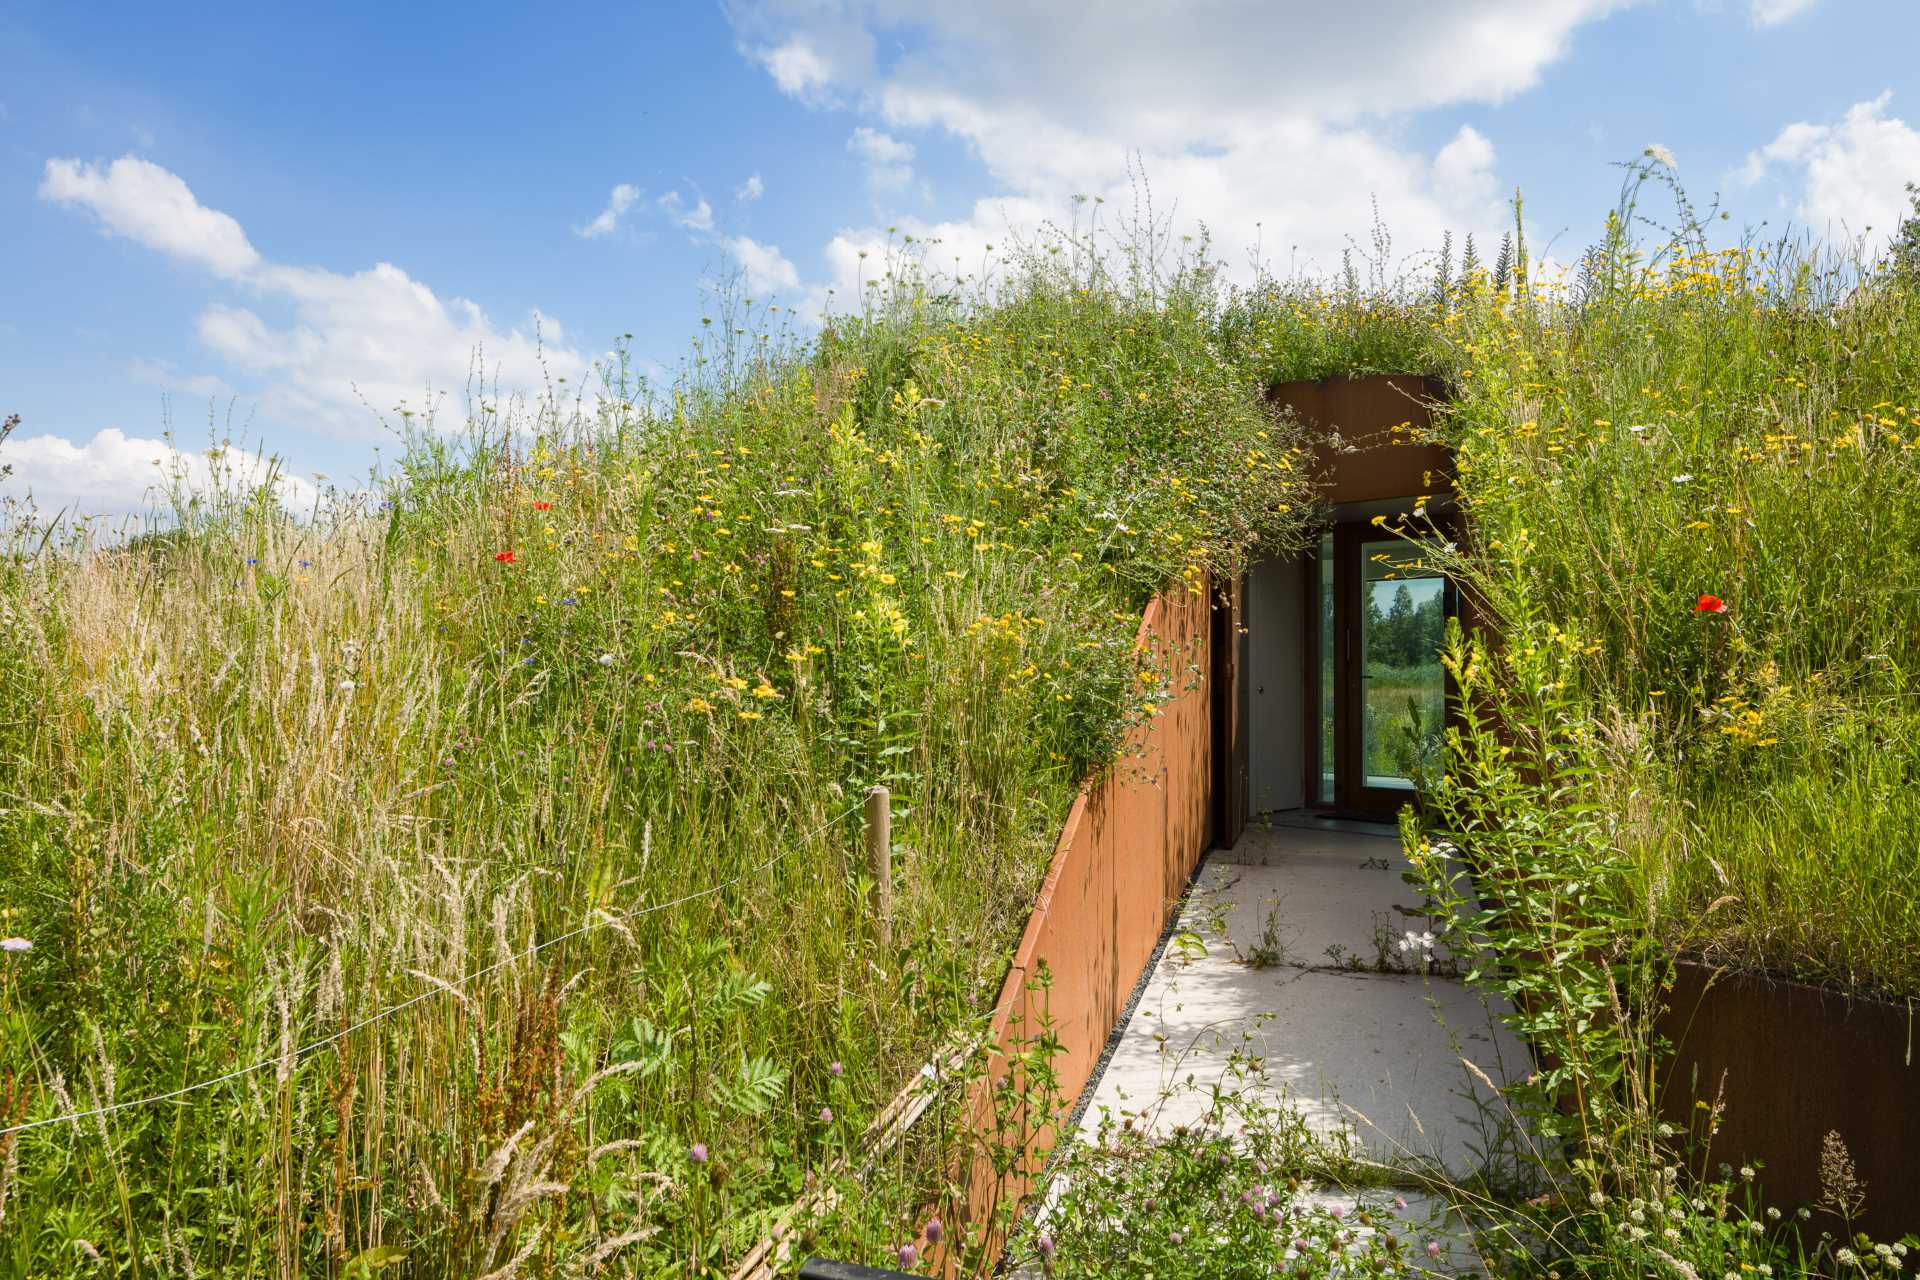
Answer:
(1403, 691)
(1379, 621)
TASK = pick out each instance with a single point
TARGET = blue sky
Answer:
(293, 217)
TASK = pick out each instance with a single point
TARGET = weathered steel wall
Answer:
(1373, 459)
(1791, 1063)
(1129, 847)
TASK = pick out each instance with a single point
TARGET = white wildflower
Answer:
(16, 944)
(1660, 154)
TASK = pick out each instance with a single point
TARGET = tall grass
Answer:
(1679, 417)
(266, 779)
(1741, 423)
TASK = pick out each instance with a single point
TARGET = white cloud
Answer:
(117, 474)
(889, 161)
(697, 218)
(1305, 194)
(1270, 118)
(796, 68)
(1853, 173)
(762, 266)
(1463, 170)
(1771, 13)
(750, 190)
(619, 200)
(167, 376)
(822, 48)
(369, 340)
(151, 206)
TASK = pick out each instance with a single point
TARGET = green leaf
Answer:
(755, 1089)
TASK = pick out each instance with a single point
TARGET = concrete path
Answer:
(1301, 973)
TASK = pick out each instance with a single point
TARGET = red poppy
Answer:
(1710, 604)
(505, 557)
(543, 506)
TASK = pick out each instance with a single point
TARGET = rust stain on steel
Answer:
(1128, 848)
(1790, 1063)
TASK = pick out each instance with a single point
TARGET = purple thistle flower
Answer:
(697, 1153)
(935, 1230)
(907, 1254)
(1175, 1237)
(1044, 1247)
(835, 1070)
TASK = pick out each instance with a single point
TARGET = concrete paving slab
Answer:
(1360, 1057)
(1347, 908)
(1287, 983)
(1320, 899)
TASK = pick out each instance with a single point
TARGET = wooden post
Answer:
(880, 860)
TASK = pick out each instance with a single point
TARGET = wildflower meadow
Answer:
(464, 877)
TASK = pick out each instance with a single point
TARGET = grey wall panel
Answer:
(1276, 684)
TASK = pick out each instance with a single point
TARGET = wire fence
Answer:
(295, 1054)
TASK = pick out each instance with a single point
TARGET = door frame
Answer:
(1351, 796)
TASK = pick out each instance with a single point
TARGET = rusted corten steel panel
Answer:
(1791, 1063)
(1232, 745)
(1128, 849)
(1358, 456)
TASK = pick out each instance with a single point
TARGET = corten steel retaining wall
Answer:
(1374, 459)
(1130, 845)
(1798, 1062)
